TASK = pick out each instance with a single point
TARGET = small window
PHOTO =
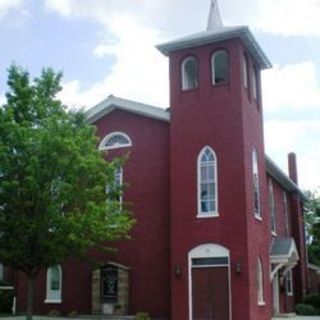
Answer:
(115, 140)
(272, 208)
(54, 284)
(114, 191)
(255, 88)
(207, 183)
(109, 284)
(245, 71)
(260, 298)
(286, 215)
(1, 272)
(190, 77)
(256, 186)
(220, 67)
(289, 283)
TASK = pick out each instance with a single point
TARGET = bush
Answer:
(72, 314)
(312, 299)
(6, 299)
(54, 313)
(142, 316)
(305, 309)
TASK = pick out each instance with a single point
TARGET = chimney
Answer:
(292, 164)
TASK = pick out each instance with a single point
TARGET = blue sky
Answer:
(107, 47)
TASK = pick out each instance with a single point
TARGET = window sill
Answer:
(208, 215)
(52, 301)
(274, 233)
(289, 294)
(261, 303)
(259, 218)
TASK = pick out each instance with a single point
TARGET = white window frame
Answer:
(118, 176)
(272, 209)
(213, 57)
(254, 83)
(260, 286)
(185, 82)
(245, 71)
(53, 296)
(213, 213)
(286, 213)
(102, 145)
(256, 183)
(289, 283)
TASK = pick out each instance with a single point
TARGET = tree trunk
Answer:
(30, 297)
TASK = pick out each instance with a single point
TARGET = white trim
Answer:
(260, 282)
(114, 103)
(208, 250)
(213, 72)
(276, 295)
(214, 213)
(49, 292)
(118, 146)
(185, 81)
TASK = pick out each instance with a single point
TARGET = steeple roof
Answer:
(217, 32)
(214, 19)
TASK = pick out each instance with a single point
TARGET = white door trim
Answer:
(208, 250)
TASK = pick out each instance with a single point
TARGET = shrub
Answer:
(142, 316)
(54, 313)
(312, 299)
(72, 314)
(6, 299)
(305, 309)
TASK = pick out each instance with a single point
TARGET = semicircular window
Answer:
(115, 140)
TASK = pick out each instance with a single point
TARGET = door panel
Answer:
(210, 293)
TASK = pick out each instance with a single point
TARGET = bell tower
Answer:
(219, 217)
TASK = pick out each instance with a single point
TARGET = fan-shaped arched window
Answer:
(256, 187)
(115, 140)
(189, 73)
(260, 298)
(207, 183)
(54, 284)
(220, 67)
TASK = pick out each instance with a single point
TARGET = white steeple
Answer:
(214, 19)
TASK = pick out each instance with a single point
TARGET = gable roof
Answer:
(112, 103)
(219, 34)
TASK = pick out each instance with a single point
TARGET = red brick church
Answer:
(219, 231)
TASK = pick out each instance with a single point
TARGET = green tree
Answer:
(52, 181)
(312, 221)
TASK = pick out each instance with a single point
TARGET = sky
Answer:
(107, 47)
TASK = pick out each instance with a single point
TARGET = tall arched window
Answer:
(189, 73)
(259, 274)
(256, 186)
(54, 284)
(220, 67)
(207, 183)
(114, 190)
(255, 87)
(115, 140)
(272, 208)
(245, 71)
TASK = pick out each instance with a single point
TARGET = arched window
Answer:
(115, 140)
(272, 208)
(255, 87)
(1, 272)
(54, 284)
(207, 183)
(260, 298)
(189, 73)
(220, 67)
(114, 191)
(289, 283)
(256, 186)
(245, 71)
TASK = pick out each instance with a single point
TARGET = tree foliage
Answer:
(52, 179)
(312, 219)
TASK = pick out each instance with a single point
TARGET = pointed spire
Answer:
(214, 19)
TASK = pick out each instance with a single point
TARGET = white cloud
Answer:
(7, 5)
(295, 86)
(140, 72)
